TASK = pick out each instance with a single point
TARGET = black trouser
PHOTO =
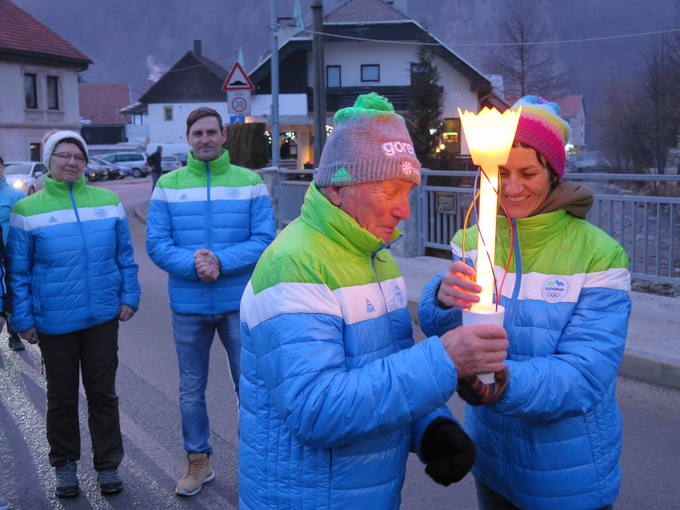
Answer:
(10, 330)
(95, 351)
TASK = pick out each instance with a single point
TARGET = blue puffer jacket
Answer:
(9, 196)
(71, 259)
(214, 205)
(333, 392)
(553, 441)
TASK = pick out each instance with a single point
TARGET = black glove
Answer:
(477, 393)
(447, 450)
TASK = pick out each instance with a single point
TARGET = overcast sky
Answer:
(123, 36)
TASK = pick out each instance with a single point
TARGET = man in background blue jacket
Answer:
(9, 195)
(208, 224)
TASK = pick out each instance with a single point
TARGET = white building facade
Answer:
(38, 85)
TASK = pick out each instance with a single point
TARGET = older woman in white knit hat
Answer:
(74, 277)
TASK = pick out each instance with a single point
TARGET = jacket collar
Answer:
(62, 188)
(320, 214)
(218, 166)
(537, 230)
(3, 182)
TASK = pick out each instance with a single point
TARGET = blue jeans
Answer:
(154, 176)
(488, 499)
(194, 336)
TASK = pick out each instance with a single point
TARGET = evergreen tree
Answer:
(426, 107)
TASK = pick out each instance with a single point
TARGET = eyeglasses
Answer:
(65, 157)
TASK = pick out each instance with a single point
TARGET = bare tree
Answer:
(621, 122)
(640, 118)
(527, 67)
(660, 90)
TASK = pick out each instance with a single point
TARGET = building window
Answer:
(451, 136)
(34, 149)
(370, 72)
(30, 91)
(52, 92)
(417, 72)
(333, 76)
(167, 113)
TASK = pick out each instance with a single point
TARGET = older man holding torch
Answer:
(334, 394)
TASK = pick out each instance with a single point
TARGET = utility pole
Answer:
(319, 82)
(276, 134)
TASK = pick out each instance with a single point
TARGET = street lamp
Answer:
(489, 136)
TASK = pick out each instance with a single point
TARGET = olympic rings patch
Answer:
(555, 289)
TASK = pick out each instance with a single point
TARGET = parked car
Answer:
(120, 172)
(28, 176)
(134, 161)
(96, 172)
(170, 163)
(183, 156)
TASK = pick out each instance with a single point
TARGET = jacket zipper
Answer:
(509, 424)
(209, 231)
(85, 250)
(374, 255)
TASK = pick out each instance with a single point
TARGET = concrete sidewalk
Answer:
(652, 352)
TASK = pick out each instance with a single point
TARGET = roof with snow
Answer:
(24, 38)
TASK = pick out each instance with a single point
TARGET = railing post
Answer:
(422, 213)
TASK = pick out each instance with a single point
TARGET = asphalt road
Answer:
(148, 389)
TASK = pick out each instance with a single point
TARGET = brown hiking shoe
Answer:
(198, 473)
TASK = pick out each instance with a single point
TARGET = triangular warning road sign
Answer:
(238, 80)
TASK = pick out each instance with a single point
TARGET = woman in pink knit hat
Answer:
(548, 432)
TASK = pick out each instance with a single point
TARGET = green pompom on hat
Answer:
(369, 143)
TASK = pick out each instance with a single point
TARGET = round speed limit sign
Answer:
(239, 104)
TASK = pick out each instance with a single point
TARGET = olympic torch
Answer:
(489, 136)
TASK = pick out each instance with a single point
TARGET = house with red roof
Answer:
(38, 83)
(573, 110)
(99, 104)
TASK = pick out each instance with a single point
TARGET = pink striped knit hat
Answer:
(541, 127)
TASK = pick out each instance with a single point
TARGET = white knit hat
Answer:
(54, 140)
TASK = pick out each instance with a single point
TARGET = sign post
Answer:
(238, 87)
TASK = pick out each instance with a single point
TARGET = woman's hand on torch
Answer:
(458, 287)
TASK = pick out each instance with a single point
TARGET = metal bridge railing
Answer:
(293, 185)
(647, 227)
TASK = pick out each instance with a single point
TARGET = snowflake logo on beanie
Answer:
(407, 168)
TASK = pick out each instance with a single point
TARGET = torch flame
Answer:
(490, 135)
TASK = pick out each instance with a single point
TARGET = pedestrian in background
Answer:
(548, 433)
(9, 195)
(73, 277)
(208, 224)
(154, 161)
(335, 393)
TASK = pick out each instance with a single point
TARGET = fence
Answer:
(647, 227)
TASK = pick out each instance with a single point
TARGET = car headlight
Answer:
(19, 184)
